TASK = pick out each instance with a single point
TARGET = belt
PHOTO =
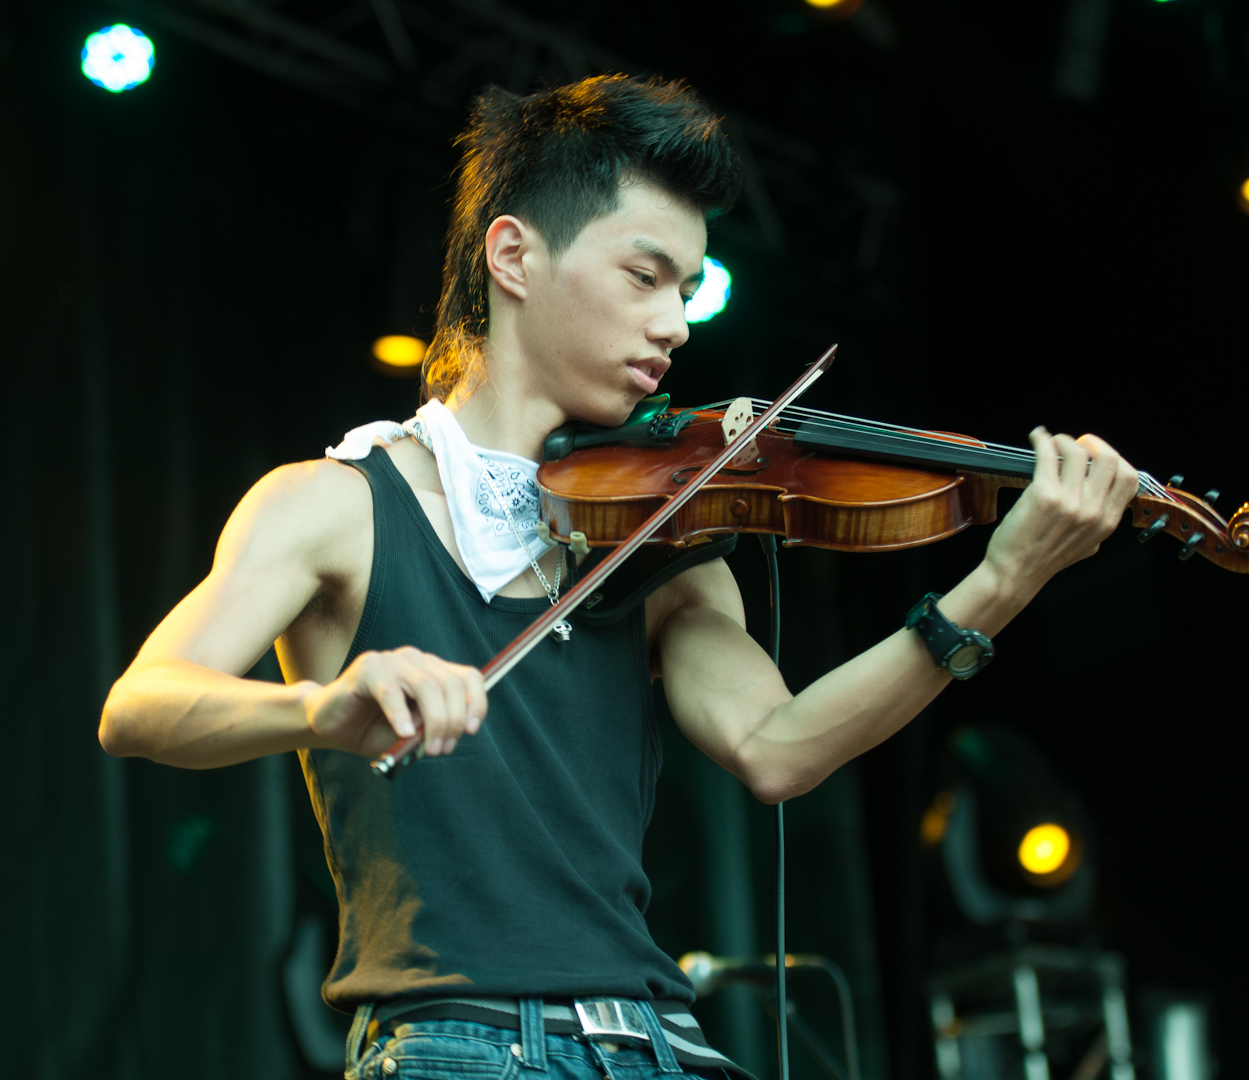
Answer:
(596, 1018)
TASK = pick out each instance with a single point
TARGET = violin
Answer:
(820, 479)
(814, 478)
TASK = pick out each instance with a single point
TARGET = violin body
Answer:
(776, 487)
(818, 498)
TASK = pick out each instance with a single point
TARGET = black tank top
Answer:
(513, 866)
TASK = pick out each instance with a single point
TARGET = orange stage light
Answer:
(936, 819)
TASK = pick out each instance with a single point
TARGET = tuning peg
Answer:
(1175, 481)
(1187, 551)
(1150, 531)
(1212, 496)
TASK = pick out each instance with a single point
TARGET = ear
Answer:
(510, 245)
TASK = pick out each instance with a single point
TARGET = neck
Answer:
(505, 412)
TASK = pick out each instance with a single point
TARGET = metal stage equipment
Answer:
(1011, 1009)
(709, 973)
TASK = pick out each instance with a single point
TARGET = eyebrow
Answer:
(649, 247)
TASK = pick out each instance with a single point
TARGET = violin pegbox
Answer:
(737, 418)
(1194, 522)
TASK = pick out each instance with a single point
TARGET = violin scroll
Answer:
(1238, 528)
(1196, 524)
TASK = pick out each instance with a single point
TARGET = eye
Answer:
(645, 277)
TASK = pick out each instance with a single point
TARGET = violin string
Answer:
(858, 423)
(898, 429)
(800, 414)
(1147, 483)
(805, 414)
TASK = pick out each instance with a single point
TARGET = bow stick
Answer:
(405, 751)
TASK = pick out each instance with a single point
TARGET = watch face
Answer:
(964, 659)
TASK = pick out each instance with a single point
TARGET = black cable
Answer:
(774, 639)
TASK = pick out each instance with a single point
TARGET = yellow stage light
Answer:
(1244, 196)
(398, 354)
(399, 350)
(1044, 849)
(842, 8)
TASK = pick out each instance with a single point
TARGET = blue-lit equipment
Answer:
(712, 294)
(118, 58)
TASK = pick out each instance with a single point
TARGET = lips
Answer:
(648, 372)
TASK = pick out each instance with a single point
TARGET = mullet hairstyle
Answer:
(557, 159)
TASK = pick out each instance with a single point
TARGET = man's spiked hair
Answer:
(556, 160)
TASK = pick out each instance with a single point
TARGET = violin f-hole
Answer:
(682, 475)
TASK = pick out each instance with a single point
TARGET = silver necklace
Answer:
(562, 630)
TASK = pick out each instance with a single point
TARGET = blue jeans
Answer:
(459, 1050)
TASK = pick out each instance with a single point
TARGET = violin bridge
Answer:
(737, 417)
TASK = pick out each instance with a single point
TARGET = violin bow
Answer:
(405, 751)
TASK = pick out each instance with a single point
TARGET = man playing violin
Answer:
(491, 898)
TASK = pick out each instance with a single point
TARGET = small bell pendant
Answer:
(562, 630)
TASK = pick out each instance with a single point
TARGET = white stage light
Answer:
(712, 294)
(118, 58)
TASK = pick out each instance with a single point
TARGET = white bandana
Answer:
(482, 533)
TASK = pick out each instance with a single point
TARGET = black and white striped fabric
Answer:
(678, 1023)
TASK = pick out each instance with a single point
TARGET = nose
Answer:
(668, 329)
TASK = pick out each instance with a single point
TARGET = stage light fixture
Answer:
(712, 294)
(118, 58)
(1015, 844)
(1244, 196)
(1044, 849)
(398, 354)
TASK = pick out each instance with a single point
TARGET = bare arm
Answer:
(729, 699)
(301, 532)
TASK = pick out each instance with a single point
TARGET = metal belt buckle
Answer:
(611, 1018)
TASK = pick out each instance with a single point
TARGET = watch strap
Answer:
(961, 653)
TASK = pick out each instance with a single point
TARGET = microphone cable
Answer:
(768, 543)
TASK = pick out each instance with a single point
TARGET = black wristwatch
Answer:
(960, 652)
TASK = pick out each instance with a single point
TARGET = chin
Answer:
(602, 413)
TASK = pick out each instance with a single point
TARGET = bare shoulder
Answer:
(302, 532)
(313, 509)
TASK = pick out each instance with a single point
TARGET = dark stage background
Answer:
(1005, 217)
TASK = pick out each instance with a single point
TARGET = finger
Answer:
(454, 691)
(430, 700)
(455, 694)
(1075, 463)
(394, 705)
(1046, 466)
(1127, 483)
(1125, 475)
(1115, 480)
(477, 704)
(1103, 468)
(371, 675)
